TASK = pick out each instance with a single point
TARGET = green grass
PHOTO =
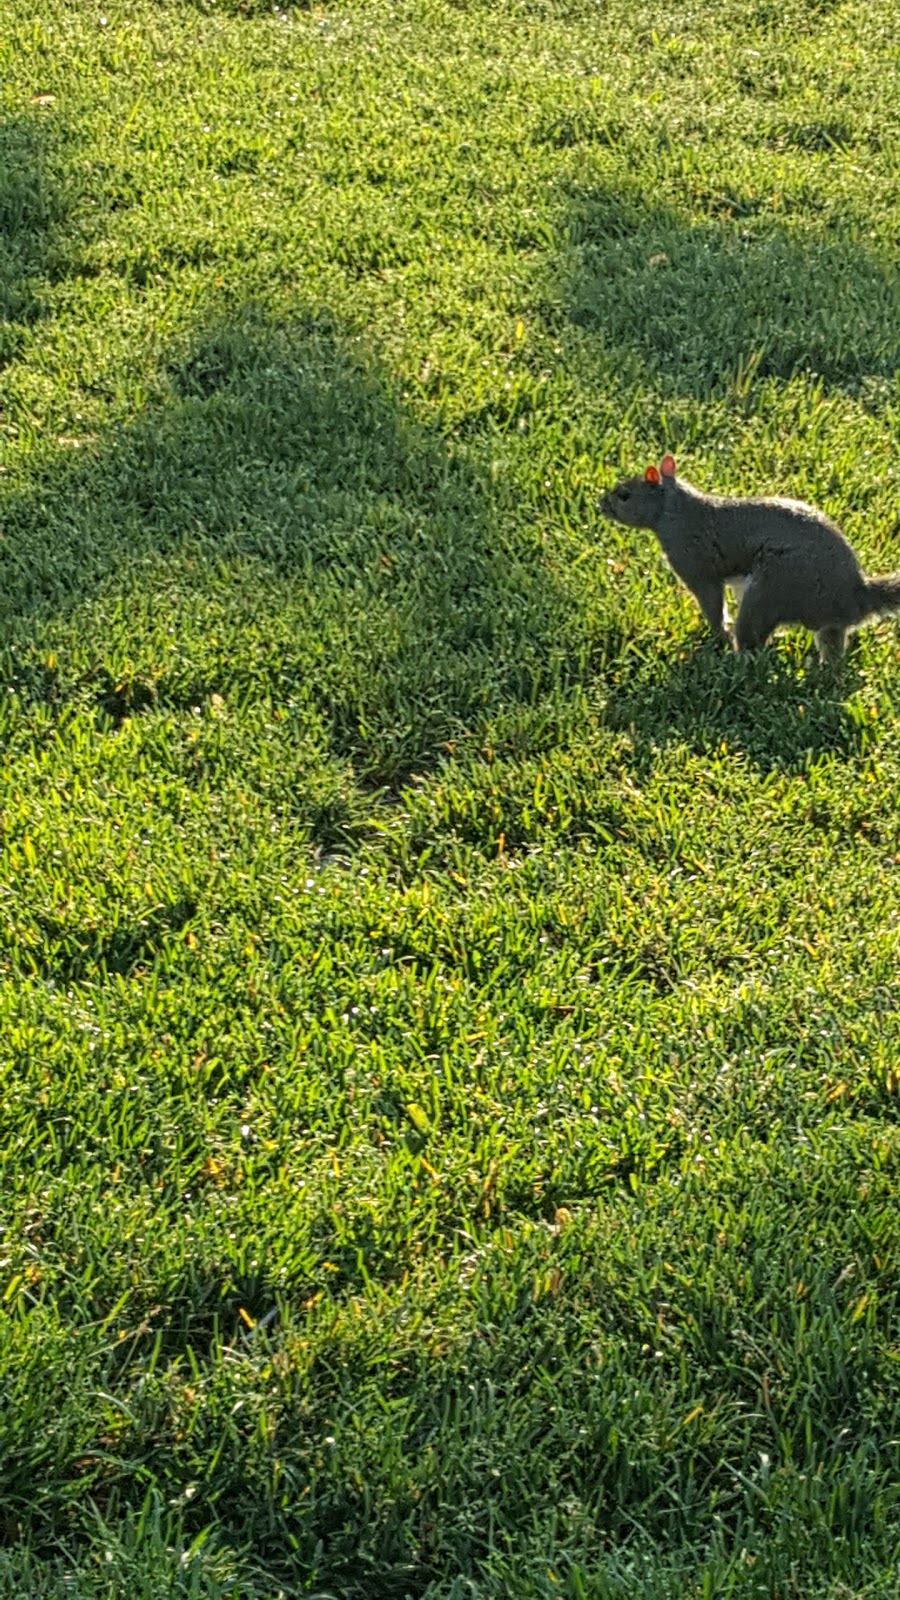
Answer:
(450, 1016)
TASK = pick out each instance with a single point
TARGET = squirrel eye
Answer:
(625, 494)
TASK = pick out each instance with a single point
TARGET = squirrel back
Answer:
(789, 561)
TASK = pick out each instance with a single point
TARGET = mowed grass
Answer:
(450, 1021)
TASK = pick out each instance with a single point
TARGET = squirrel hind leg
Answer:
(832, 642)
(758, 615)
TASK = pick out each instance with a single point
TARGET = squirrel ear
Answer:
(667, 466)
(652, 475)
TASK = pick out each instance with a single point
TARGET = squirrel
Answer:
(785, 561)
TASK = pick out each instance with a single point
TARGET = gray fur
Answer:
(786, 561)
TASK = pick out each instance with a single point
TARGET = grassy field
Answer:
(450, 1011)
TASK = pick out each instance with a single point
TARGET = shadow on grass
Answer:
(280, 458)
(33, 206)
(474, 1427)
(699, 308)
(776, 708)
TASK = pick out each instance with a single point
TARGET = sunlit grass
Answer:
(449, 1033)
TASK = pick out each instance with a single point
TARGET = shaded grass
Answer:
(449, 1028)
(396, 588)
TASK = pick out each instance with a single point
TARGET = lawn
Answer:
(450, 1010)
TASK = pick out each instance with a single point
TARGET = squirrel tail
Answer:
(882, 595)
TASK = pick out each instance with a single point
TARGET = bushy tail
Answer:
(883, 595)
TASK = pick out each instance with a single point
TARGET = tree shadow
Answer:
(698, 308)
(33, 206)
(473, 1428)
(280, 476)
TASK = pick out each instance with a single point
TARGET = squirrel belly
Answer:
(787, 561)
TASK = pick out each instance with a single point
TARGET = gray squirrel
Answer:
(785, 561)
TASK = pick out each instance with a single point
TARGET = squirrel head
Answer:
(639, 502)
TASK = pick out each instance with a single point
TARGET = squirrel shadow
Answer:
(779, 706)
